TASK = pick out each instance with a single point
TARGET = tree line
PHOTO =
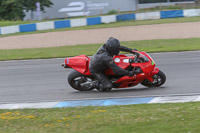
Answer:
(14, 9)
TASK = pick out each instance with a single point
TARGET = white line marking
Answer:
(28, 105)
(166, 95)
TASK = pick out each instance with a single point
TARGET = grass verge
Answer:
(143, 118)
(117, 24)
(163, 45)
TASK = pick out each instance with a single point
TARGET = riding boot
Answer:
(101, 88)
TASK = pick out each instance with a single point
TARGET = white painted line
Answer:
(142, 96)
(175, 99)
(161, 99)
(197, 99)
(28, 105)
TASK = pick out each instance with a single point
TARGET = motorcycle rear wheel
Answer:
(159, 79)
(80, 82)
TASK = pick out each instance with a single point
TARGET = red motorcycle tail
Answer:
(79, 63)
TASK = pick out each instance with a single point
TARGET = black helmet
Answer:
(113, 46)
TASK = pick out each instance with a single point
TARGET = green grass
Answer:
(143, 118)
(118, 24)
(164, 45)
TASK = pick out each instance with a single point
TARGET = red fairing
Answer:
(155, 71)
(146, 67)
(79, 63)
(143, 61)
(128, 81)
(122, 61)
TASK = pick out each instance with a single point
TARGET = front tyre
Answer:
(80, 82)
(159, 79)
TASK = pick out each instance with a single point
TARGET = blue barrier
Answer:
(62, 24)
(94, 21)
(124, 17)
(171, 14)
(27, 27)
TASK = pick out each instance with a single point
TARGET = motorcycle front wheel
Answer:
(80, 82)
(159, 79)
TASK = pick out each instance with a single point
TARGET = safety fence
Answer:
(98, 20)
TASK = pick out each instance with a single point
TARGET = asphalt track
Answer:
(45, 80)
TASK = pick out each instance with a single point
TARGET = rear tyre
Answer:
(159, 79)
(80, 82)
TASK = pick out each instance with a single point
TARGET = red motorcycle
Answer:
(81, 79)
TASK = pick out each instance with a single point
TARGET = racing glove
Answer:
(133, 51)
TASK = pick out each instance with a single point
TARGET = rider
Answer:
(103, 59)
